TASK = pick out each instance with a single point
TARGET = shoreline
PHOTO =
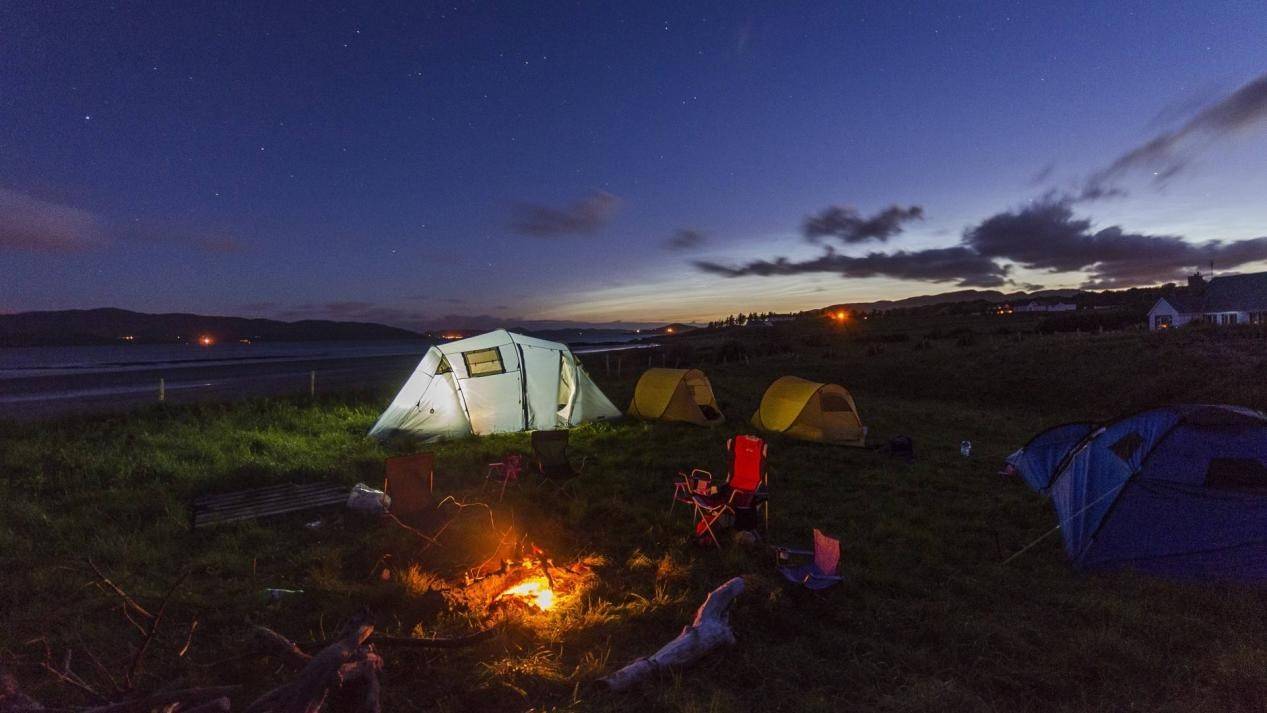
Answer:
(90, 391)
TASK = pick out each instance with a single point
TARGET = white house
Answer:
(1230, 299)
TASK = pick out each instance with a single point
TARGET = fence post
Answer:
(162, 389)
(312, 383)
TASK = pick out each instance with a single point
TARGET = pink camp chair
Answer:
(745, 489)
(698, 482)
(823, 569)
(505, 472)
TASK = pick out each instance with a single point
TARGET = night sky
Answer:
(603, 161)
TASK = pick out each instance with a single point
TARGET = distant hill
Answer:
(113, 326)
(957, 296)
(1134, 299)
(675, 328)
(579, 335)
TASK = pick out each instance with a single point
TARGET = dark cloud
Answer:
(957, 264)
(1168, 153)
(686, 239)
(845, 224)
(1044, 236)
(1044, 173)
(583, 217)
(1047, 236)
(33, 225)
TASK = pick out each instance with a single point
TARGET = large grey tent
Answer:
(494, 383)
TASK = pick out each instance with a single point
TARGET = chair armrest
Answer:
(692, 481)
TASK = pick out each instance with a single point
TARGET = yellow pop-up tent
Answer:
(675, 395)
(810, 411)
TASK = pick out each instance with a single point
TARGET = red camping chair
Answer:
(505, 472)
(821, 572)
(745, 490)
(410, 481)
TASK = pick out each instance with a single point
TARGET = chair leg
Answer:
(505, 481)
(708, 526)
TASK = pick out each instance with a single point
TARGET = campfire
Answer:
(525, 585)
(534, 591)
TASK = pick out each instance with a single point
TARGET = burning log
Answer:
(710, 630)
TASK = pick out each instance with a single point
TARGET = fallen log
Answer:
(219, 705)
(307, 693)
(710, 630)
(12, 698)
(186, 696)
(288, 649)
(414, 642)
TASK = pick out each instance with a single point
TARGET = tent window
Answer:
(1127, 445)
(443, 367)
(484, 362)
(1235, 473)
(833, 402)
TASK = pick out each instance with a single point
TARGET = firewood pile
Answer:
(341, 674)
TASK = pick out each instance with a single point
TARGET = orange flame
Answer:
(535, 591)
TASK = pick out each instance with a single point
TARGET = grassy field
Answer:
(928, 620)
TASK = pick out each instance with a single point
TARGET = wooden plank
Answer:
(275, 507)
(238, 517)
(282, 497)
(258, 515)
(277, 500)
(259, 493)
(293, 503)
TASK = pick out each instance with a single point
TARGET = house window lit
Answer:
(1163, 321)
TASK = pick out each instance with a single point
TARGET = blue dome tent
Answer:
(1038, 461)
(1179, 491)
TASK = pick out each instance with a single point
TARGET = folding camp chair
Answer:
(821, 572)
(698, 482)
(744, 492)
(506, 471)
(550, 455)
(410, 481)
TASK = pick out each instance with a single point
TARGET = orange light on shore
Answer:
(840, 315)
(206, 340)
(669, 330)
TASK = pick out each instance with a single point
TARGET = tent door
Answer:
(494, 402)
(566, 388)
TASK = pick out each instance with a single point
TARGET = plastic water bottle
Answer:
(965, 448)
